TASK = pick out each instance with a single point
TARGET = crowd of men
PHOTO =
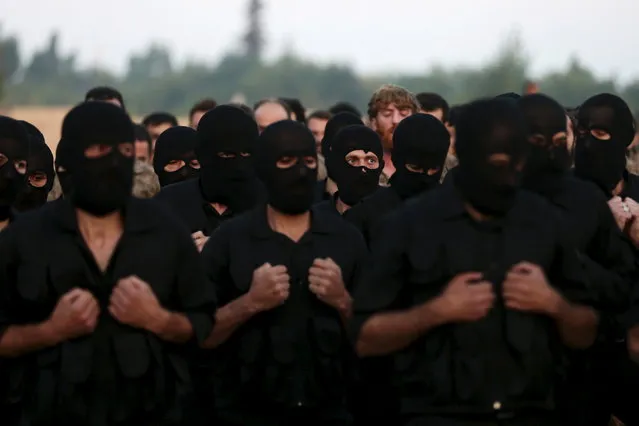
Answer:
(422, 265)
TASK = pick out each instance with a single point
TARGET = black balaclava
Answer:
(420, 140)
(100, 185)
(14, 148)
(547, 162)
(354, 183)
(493, 126)
(40, 160)
(290, 190)
(226, 140)
(334, 125)
(603, 162)
(62, 164)
(176, 143)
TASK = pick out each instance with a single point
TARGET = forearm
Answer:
(229, 318)
(20, 339)
(390, 332)
(345, 308)
(577, 324)
(173, 327)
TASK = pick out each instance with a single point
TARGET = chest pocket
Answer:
(143, 255)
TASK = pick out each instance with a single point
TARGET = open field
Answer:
(48, 119)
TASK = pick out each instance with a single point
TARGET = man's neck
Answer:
(219, 208)
(4, 224)
(92, 227)
(293, 226)
(619, 188)
(341, 206)
(389, 168)
(476, 214)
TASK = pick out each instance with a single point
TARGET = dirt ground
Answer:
(47, 119)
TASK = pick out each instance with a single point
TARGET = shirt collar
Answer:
(134, 218)
(320, 223)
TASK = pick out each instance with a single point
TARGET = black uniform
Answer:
(118, 374)
(590, 226)
(288, 365)
(605, 130)
(420, 142)
(176, 144)
(226, 139)
(500, 369)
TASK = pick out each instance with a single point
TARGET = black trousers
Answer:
(526, 420)
(285, 417)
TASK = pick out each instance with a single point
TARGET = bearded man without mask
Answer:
(174, 159)
(354, 164)
(14, 149)
(39, 177)
(100, 140)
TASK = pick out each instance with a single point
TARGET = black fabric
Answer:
(291, 190)
(369, 215)
(421, 141)
(62, 164)
(101, 185)
(117, 375)
(176, 144)
(603, 161)
(197, 214)
(226, 141)
(40, 160)
(549, 158)
(488, 127)
(294, 356)
(334, 125)
(354, 182)
(509, 356)
(14, 146)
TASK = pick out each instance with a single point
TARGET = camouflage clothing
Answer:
(450, 163)
(145, 182)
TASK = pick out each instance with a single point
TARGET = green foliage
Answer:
(153, 82)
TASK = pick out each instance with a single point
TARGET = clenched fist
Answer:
(134, 303)
(76, 314)
(270, 286)
(467, 298)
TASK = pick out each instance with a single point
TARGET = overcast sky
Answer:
(394, 35)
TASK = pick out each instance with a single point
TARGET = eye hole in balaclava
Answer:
(39, 177)
(420, 146)
(14, 151)
(549, 157)
(286, 161)
(491, 149)
(100, 150)
(174, 159)
(334, 125)
(355, 163)
(605, 130)
(226, 139)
